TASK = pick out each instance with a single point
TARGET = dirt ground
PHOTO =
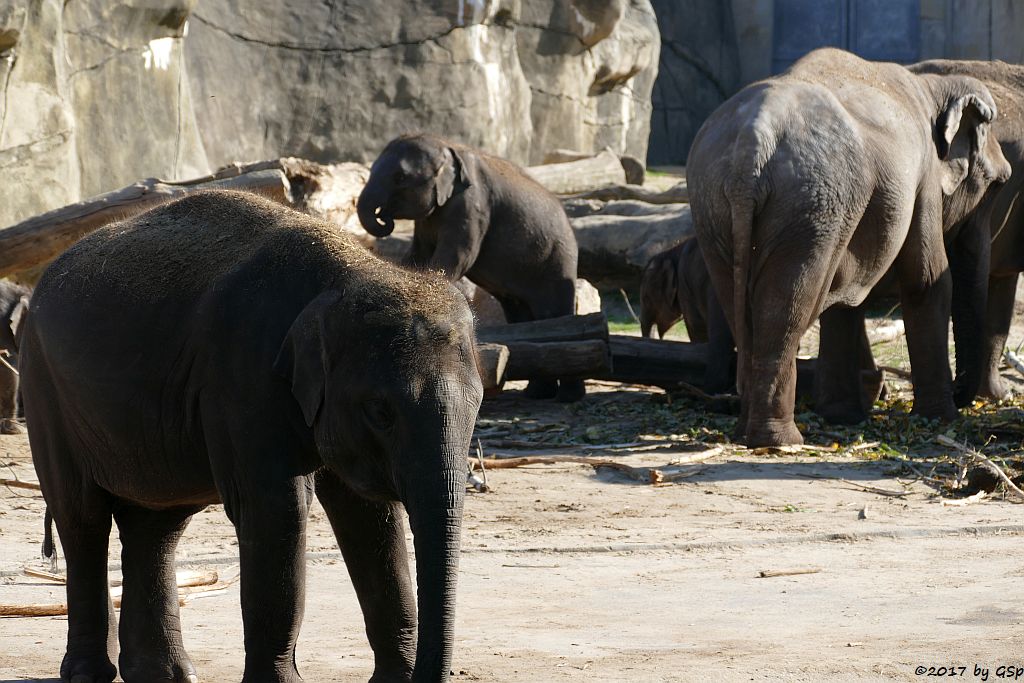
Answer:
(575, 573)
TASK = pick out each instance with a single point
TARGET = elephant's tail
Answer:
(742, 230)
(49, 551)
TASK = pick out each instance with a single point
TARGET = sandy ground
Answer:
(568, 574)
(572, 575)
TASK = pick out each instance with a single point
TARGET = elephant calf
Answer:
(222, 348)
(14, 302)
(482, 217)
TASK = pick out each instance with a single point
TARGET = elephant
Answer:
(14, 302)
(482, 217)
(806, 188)
(996, 227)
(222, 348)
(672, 288)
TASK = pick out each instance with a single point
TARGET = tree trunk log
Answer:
(44, 237)
(550, 360)
(593, 326)
(493, 364)
(579, 176)
(677, 194)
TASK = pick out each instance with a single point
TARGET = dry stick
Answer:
(898, 372)
(983, 459)
(876, 489)
(961, 502)
(628, 306)
(1014, 361)
(18, 484)
(3, 361)
(772, 573)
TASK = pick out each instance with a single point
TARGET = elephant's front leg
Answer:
(1002, 292)
(150, 628)
(270, 521)
(925, 294)
(372, 541)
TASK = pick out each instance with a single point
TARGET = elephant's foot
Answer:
(944, 412)
(993, 388)
(9, 426)
(842, 412)
(570, 390)
(87, 669)
(541, 388)
(769, 433)
(175, 667)
(283, 675)
(401, 675)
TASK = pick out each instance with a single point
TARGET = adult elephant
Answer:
(482, 217)
(14, 302)
(997, 225)
(808, 187)
(222, 348)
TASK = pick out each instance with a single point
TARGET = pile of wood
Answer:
(580, 346)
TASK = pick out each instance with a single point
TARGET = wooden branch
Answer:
(18, 484)
(582, 359)
(42, 238)
(562, 329)
(888, 332)
(1014, 361)
(984, 461)
(772, 573)
(582, 175)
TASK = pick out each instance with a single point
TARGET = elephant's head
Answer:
(659, 285)
(385, 373)
(16, 299)
(969, 155)
(412, 177)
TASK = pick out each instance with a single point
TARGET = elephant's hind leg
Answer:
(8, 400)
(837, 377)
(150, 630)
(559, 300)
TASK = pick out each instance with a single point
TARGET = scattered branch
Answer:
(982, 460)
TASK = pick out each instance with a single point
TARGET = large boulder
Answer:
(95, 94)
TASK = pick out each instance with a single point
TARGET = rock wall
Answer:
(95, 94)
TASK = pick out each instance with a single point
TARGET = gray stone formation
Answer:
(699, 69)
(95, 94)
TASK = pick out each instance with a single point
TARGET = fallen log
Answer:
(579, 176)
(555, 359)
(677, 194)
(561, 329)
(44, 237)
(493, 364)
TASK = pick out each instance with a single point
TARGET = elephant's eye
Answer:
(379, 414)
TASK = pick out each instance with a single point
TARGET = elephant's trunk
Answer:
(371, 209)
(434, 503)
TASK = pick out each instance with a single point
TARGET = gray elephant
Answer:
(14, 302)
(482, 217)
(807, 187)
(222, 348)
(997, 226)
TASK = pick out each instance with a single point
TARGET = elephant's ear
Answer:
(959, 135)
(453, 176)
(17, 315)
(302, 359)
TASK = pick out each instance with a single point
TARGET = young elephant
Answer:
(675, 285)
(222, 348)
(807, 187)
(14, 302)
(482, 217)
